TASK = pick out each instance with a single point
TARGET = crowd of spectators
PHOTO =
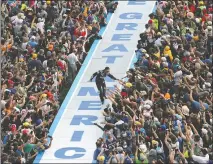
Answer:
(43, 44)
(162, 113)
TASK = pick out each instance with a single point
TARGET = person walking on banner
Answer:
(100, 82)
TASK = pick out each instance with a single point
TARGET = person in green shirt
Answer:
(28, 147)
(27, 150)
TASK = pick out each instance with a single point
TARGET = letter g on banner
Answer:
(63, 153)
(131, 16)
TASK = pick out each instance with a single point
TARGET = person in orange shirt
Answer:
(9, 107)
(6, 45)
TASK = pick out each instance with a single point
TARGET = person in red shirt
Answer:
(81, 31)
(192, 7)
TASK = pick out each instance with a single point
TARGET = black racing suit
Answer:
(100, 82)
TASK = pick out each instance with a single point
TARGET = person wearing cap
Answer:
(158, 41)
(100, 82)
(139, 53)
(144, 63)
(33, 42)
(35, 63)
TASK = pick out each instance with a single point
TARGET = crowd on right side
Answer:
(163, 112)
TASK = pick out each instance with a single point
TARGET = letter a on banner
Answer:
(116, 47)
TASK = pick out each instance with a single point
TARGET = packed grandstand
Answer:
(161, 111)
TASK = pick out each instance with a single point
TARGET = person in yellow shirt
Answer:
(85, 11)
(23, 6)
(168, 54)
(154, 21)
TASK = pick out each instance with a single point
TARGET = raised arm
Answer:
(112, 77)
(194, 129)
(95, 74)
(190, 96)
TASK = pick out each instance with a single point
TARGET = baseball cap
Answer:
(142, 50)
(159, 34)
(33, 37)
(147, 106)
(129, 85)
(185, 110)
(101, 158)
(163, 127)
(209, 74)
(120, 149)
(143, 148)
(34, 55)
(154, 142)
(25, 131)
(163, 59)
(167, 96)
(146, 55)
(49, 53)
(43, 96)
(143, 93)
(13, 127)
(142, 130)
(137, 123)
(38, 122)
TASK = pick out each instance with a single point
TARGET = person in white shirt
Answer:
(17, 19)
(17, 26)
(201, 159)
(158, 41)
(40, 25)
(178, 76)
(73, 59)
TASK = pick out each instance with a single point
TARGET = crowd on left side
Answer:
(43, 45)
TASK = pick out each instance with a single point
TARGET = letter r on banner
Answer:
(127, 26)
(85, 119)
